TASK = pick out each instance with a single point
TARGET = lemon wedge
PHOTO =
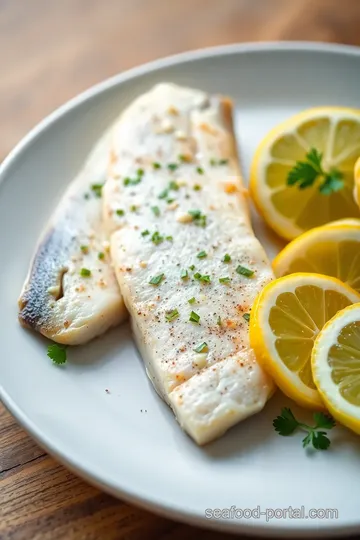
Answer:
(285, 319)
(333, 250)
(334, 132)
(336, 366)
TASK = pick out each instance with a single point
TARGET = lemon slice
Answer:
(290, 211)
(336, 366)
(285, 319)
(333, 250)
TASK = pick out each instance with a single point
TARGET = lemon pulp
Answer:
(296, 319)
(337, 259)
(344, 361)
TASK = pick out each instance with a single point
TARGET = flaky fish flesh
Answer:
(71, 294)
(185, 256)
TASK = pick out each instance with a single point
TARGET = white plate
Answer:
(127, 442)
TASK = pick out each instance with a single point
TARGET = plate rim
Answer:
(169, 511)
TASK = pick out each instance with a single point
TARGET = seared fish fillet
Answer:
(175, 175)
(56, 300)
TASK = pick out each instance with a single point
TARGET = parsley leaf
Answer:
(320, 441)
(57, 353)
(305, 173)
(286, 424)
(324, 421)
(246, 316)
(156, 210)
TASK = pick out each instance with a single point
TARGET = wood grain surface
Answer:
(50, 50)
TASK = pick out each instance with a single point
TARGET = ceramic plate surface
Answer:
(127, 441)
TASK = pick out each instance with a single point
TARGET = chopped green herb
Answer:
(202, 277)
(286, 424)
(243, 271)
(198, 218)
(246, 317)
(57, 353)
(219, 321)
(183, 158)
(156, 165)
(156, 210)
(173, 166)
(174, 185)
(133, 208)
(140, 172)
(201, 348)
(192, 267)
(197, 187)
(192, 300)
(172, 315)
(156, 279)
(216, 162)
(97, 189)
(195, 214)
(84, 249)
(163, 194)
(169, 238)
(199, 170)
(132, 181)
(305, 173)
(201, 255)
(194, 317)
(120, 212)
(157, 238)
(85, 272)
(184, 274)
(145, 233)
(224, 280)
(101, 255)
(226, 258)
(169, 201)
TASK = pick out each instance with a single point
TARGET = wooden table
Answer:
(50, 51)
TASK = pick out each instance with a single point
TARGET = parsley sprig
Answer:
(57, 353)
(286, 424)
(304, 174)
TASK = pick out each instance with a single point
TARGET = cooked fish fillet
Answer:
(175, 176)
(56, 300)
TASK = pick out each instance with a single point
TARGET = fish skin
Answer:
(207, 392)
(56, 301)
